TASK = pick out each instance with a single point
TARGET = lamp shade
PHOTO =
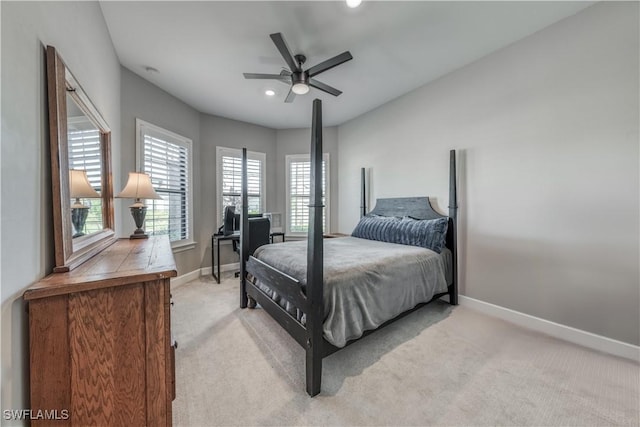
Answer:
(79, 185)
(138, 187)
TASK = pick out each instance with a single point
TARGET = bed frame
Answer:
(310, 336)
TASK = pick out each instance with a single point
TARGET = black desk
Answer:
(215, 252)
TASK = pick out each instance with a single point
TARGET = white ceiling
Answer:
(202, 48)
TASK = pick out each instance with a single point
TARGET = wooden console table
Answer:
(100, 338)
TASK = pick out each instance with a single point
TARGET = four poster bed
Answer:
(401, 256)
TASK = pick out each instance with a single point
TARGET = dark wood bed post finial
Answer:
(315, 259)
(244, 233)
(363, 193)
(453, 214)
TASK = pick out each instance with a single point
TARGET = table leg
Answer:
(215, 258)
(218, 260)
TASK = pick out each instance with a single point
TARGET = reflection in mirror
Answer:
(81, 181)
(85, 171)
(80, 188)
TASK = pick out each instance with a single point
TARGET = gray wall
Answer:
(27, 238)
(298, 141)
(547, 131)
(217, 131)
(143, 100)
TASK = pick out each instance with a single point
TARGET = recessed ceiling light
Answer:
(269, 92)
(353, 3)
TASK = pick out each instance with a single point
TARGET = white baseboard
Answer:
(223, 268)
(567, 333)
(181, 280)
(193, 275)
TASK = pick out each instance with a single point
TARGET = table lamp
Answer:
(79, 187)
(138, 187)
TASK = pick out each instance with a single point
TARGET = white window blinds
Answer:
(166, 158)
(84, 152)
(299, 193)
(230, 180)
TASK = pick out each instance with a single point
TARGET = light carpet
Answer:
(439, 366)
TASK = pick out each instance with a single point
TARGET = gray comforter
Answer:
(366, 282)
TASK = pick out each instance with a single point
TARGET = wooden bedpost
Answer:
(315, 259)
(244, 233)
(363, 193)
(453, 214)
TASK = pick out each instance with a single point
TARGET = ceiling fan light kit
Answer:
(300, 88)
(300, 80)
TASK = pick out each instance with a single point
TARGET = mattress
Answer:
(366, 282)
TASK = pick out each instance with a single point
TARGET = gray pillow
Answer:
(426, 233)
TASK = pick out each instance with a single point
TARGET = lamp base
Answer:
(138, 213)
(142, 235)
(78, 219)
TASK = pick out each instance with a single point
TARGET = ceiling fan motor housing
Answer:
(300, 82)
(300, 77)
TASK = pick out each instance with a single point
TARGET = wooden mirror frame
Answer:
(69, 253)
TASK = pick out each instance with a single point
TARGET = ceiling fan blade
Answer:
(329, 63)
(290, 96)
(282, 78)
(324, 87)
(278, 40)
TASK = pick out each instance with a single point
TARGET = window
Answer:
(299, 193)
(166, 158)
(229, 179)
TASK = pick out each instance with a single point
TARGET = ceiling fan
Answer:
(300, 79)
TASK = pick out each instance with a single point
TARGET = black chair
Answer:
(259, 234)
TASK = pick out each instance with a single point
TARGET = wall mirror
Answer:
(80, 168)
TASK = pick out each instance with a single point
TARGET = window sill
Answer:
(183, 245)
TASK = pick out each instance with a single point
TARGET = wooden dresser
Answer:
(100, 338)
